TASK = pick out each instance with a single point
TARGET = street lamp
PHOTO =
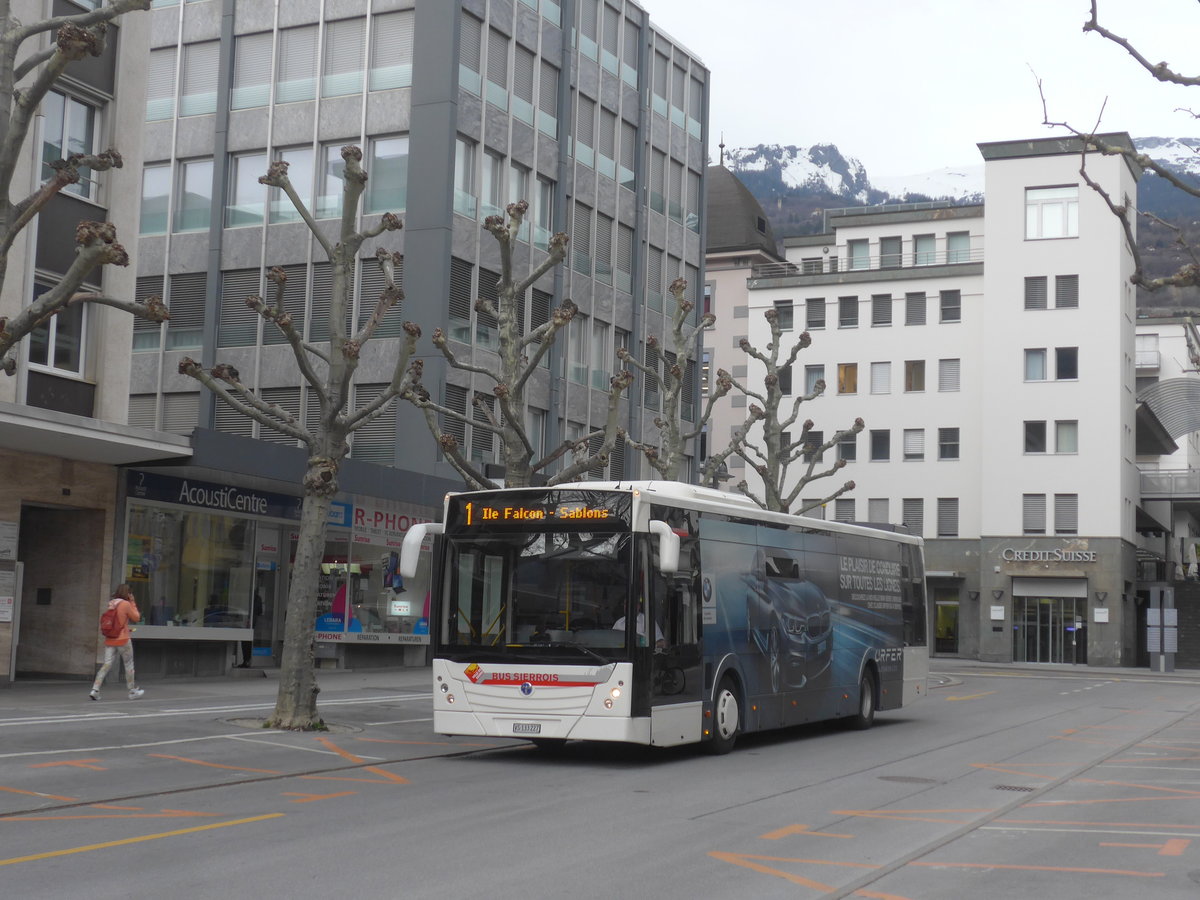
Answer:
(720, 476)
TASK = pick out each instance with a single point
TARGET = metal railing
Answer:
(827, 265)
(1171, 482)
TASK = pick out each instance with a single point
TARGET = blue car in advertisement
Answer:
(788, 619)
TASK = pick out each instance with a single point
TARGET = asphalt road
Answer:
(1051, 782)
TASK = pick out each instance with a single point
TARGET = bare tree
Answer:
(667, 456)
(777, 447)
(27, 73)
(518, 357)
(1187, 274)
(329, 372)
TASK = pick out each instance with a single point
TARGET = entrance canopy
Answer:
(1049, 587)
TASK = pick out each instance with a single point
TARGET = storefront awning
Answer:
(28, 429)
(1049, 587)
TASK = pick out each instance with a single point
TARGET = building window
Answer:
(813, 374)
(602, 355)
(948, 374)
(858, 254)
(847, 312)
(387, 189)
(1035, 437)
(843, 509)
(924, 250)
(1035, 365)
(1066, 291)
(958, 247)
(71, 126)
(847, 378)
(251, 70)
(1035, 291)
(1066, 363)
(948, 443)
(296, 69)
(881, 378)
(848, 448)
(493, 185)
(785, 380)
(58, 343)
(198, 84)
(889, 253)
(470, 52)
(881, 309)
(1051, 212)
(877, 510)
(914, 308)
(784, 314)
(300, 174)
(947, 517)
(194, 204)
(548, 100)
(1066, 514)
(881, 444)
(913, 515)
(812, 446)
(914, 444)
(464, 178)
(247, 198)
(391, 51)
(1066, 436)
(160, 85)
(330, 184)
(497, 69)
(951, 302)
(156, 195)
(814, 313)
(342, 72)
(577, 367)
(1033, 514)
(914, 376)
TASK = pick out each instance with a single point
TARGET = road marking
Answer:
(972, 696)
(12, 790)
(1081, 870)
(798, 829)
(1172, 847)
(135, 840)
(77, 763)
(346, 754)
(1086, 830)
(751, 861)
(309, 798)
(165, 814)
(199, 762)
(403, 721)
(192, 740)
(909, 815)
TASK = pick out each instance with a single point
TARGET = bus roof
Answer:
(713, 500)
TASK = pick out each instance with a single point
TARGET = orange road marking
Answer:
(908, 815)
(972, 696)
(1077, 869)
(165, 814)
(747, 860)
(426, 743)
(798, 829)
(1181, 792)
(1170, 847)
(1005, 771)
(1008, 821)
(309, 798)
(135, 840)
(200, 762)
(77, 763)
(346, 754)
(39, 794)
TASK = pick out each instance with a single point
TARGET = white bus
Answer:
(661, 613)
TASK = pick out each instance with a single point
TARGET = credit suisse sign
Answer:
(1011, 554)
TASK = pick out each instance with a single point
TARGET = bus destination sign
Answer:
(548, 510)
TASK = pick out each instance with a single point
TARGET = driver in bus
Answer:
(640, 624)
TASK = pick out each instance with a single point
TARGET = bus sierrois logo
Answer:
(473, 672)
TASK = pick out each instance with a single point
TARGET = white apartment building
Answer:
(990, 350)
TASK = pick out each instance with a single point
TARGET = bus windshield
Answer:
(537, 594)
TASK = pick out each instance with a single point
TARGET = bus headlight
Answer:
(616, 693)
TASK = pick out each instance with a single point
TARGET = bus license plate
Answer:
(527, 727)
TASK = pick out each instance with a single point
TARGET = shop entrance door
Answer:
(945, 623)
(1049, 629)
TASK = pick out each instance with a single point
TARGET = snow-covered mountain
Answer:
(794, 183)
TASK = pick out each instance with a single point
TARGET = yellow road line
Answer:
(135, 840)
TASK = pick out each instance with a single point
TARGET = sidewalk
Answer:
(944, 663)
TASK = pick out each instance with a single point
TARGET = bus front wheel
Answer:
(726, 718)
(865, 717)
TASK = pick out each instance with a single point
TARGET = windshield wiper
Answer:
(580, 647)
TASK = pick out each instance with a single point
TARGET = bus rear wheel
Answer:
(865, 717)
(726, 718)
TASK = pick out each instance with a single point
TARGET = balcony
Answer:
(1170, 484)
(1147, 361)
(829, 269)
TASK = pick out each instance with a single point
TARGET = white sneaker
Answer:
(94, 694)
(135, 693)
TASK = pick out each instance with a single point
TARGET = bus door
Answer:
(676, 670)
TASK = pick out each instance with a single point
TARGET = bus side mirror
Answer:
(668, 546)
(410, 550)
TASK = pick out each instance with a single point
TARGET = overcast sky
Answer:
(907, 87)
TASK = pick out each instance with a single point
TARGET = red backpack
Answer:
(110, 622)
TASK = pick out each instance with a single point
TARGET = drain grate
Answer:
(1012, 787)
(908, 779)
